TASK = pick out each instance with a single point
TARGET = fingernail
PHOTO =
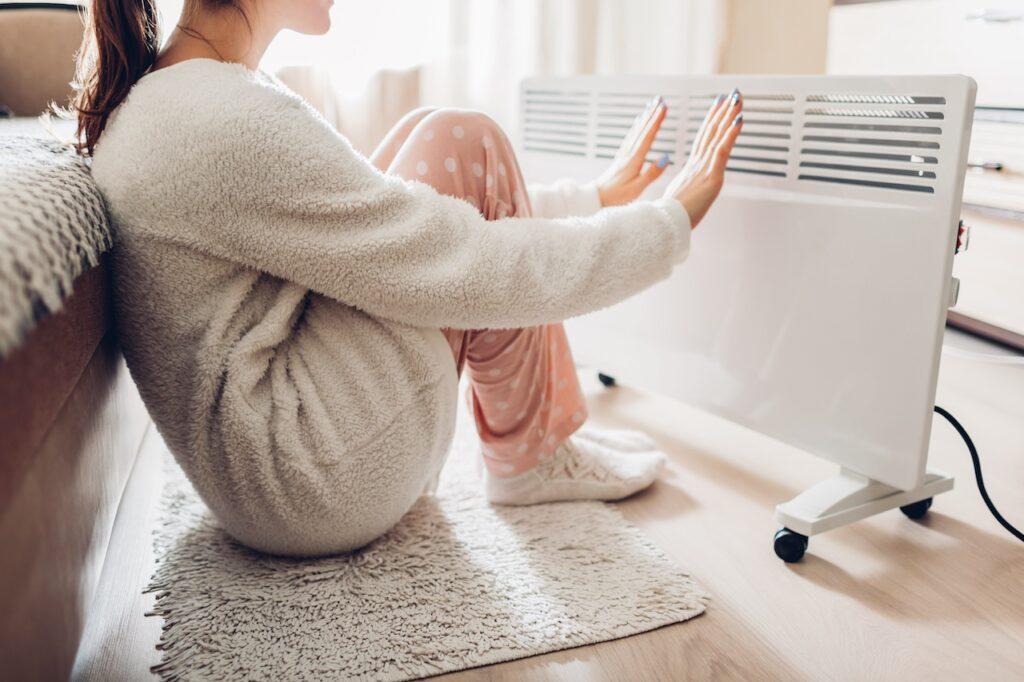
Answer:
(738, 121)
(735, 96)
(663, 161)
(718, 100)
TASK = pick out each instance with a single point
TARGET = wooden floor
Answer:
(883, 599)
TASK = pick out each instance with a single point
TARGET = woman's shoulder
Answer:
(203, 131)
(197, 94)
(193, 109)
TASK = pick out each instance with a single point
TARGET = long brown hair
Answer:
(122, 40)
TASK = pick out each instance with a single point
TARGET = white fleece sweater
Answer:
(279, 300)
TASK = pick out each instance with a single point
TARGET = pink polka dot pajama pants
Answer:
(523, 393)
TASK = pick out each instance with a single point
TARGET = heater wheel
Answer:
(790, 545)
(606, 380)
(917, 509)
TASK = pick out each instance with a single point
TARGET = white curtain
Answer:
(385, 57)
(496, 43)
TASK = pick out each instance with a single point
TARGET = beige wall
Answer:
(775, 36)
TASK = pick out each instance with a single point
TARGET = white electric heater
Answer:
(813, 302)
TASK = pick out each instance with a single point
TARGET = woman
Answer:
(296, 316)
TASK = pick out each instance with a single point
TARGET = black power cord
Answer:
(977, 474)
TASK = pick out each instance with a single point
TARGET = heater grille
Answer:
(893, 144)
(882, 142)
(556, 121)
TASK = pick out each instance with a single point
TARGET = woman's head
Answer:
(122, 40)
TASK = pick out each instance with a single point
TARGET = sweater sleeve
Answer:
(564, 198)
(292, 198)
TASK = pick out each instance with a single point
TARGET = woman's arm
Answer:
(282, 192)
(565, 198)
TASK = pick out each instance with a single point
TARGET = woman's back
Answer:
(260, 386)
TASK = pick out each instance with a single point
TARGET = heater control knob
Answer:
(963, 237)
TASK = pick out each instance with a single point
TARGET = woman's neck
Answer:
(226, 35)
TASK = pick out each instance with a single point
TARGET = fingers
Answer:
(635, 152)
(700, 140)
(719, 128)
(634, 131)
(732, 108)
(719, 118)
(648, 134)
(640, 123)
(724, 148)
(730, 105)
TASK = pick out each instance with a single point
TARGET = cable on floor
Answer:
(977, 474)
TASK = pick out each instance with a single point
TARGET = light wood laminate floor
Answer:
(883, 599)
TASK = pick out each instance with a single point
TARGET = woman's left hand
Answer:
(629, 174)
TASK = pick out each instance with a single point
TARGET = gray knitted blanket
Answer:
(53, 226)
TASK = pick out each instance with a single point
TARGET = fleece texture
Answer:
(279, 300)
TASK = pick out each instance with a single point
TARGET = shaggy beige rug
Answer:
(457, 584)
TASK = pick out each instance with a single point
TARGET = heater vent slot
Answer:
(876, 128)
(556, 121)
(881, 170)
(874, 113)
(875, 141)
(755, 171)
(875, 99)
(888, 142)
(908, 158)
(868, 183)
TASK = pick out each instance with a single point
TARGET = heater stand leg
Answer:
(849, 497)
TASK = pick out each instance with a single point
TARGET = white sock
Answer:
(621, 440)
(579, 469)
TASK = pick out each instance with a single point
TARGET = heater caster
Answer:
(790, 545)
(606, 380)
(917, 509)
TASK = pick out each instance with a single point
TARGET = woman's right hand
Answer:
(698, 184)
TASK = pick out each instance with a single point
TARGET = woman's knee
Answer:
(414, 117)
(465, 154)
(464, 126)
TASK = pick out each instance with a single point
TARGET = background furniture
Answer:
(71, 428)
(983, 39)
(38, 43)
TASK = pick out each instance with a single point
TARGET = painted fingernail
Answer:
(718, 100)
(735, 96)
(738, 121)
(663, 161)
